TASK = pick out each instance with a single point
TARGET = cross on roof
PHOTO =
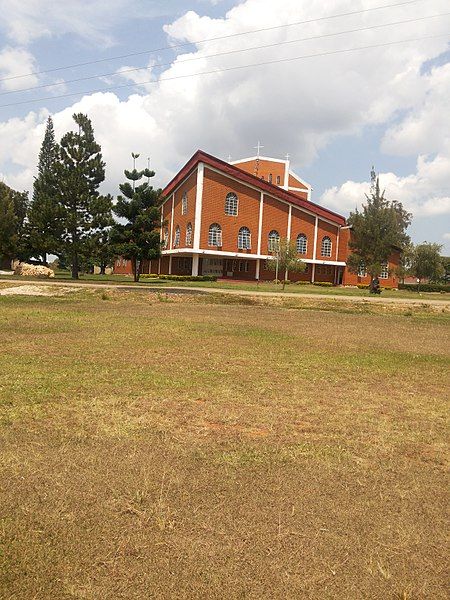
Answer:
(258, 148)
(287, 156)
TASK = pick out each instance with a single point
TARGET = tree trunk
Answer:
(75, 266)
(44, 259)
(135, 270)
(102, 268)
(284, 283)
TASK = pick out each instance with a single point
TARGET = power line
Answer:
(270, 62)
(207, 56)
(222, 37)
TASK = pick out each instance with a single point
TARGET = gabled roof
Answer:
(252, 180)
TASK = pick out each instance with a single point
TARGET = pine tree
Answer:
(13, 211)
(139, 206)
(376, 231)
(79, 171)
(45, 214)
(8, 223)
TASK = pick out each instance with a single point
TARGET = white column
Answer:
(257, 268)
(261, 207)
(171, 221)
(198, 206)
(316, 226)
(286, 175)
(337, 242)
(159, 266)
(195, 262)
(170, 265)
(288, 232)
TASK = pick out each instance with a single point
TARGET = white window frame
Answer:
(215, 235)
(302, 238)
(244, 239)
(177, 238)
(384, 273)
(184, 203)
(231, 204)
(326, 250)
(273, 241)
(362, 272)
(189, 234)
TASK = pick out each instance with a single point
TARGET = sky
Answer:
(339, 92)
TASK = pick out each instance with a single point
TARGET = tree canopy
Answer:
(377, 231)
(79, 172)
(285, 259)
(45, 213)
(137, 234)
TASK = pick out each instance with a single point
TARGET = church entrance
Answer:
(212, 266)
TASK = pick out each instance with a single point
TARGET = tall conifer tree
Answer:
(45, 214)
(13, 210)
(138, 238)
(376, 231)
(80, 170)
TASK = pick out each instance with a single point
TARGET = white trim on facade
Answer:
(243, 160)
(198, 214)
(171, 219)
(260, 221)
(220, 253)
(305, 210)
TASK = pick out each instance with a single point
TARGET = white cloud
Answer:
(27, 20)
(424, 131)
(13, 62)
(298, 106)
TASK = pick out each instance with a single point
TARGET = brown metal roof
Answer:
(264, 186)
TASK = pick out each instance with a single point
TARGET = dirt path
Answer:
(201, 290)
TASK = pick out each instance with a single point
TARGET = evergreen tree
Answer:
(79, 171)
(13, 211)
(139, 206)
(376, 231)
(285, 259)
(427, 262)
(102, 250)
(45, 214)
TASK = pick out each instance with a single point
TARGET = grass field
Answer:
(64, 276)
(158, 447)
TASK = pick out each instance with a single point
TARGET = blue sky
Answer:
(336, 114)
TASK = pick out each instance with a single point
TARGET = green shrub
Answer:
(180, 277)
(425, 287)
(362, 286)
(302, 283)
(323, 283)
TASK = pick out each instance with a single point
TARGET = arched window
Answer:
(244, 239)
(231, 204)
(384, 271)
(176, 241)
(184, 204)
(166, 238)
(326, 246)
(189, 234)
(274, 241)
(215, 235)
(362, 270)
(302, 243)
(270, 177)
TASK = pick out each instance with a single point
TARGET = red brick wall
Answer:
(215, 189)
(265, 168)
(122, 266)
(275, 216)
(326, 229)
(303, 223)
(190, 187)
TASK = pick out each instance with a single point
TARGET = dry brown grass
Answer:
(158, 447)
